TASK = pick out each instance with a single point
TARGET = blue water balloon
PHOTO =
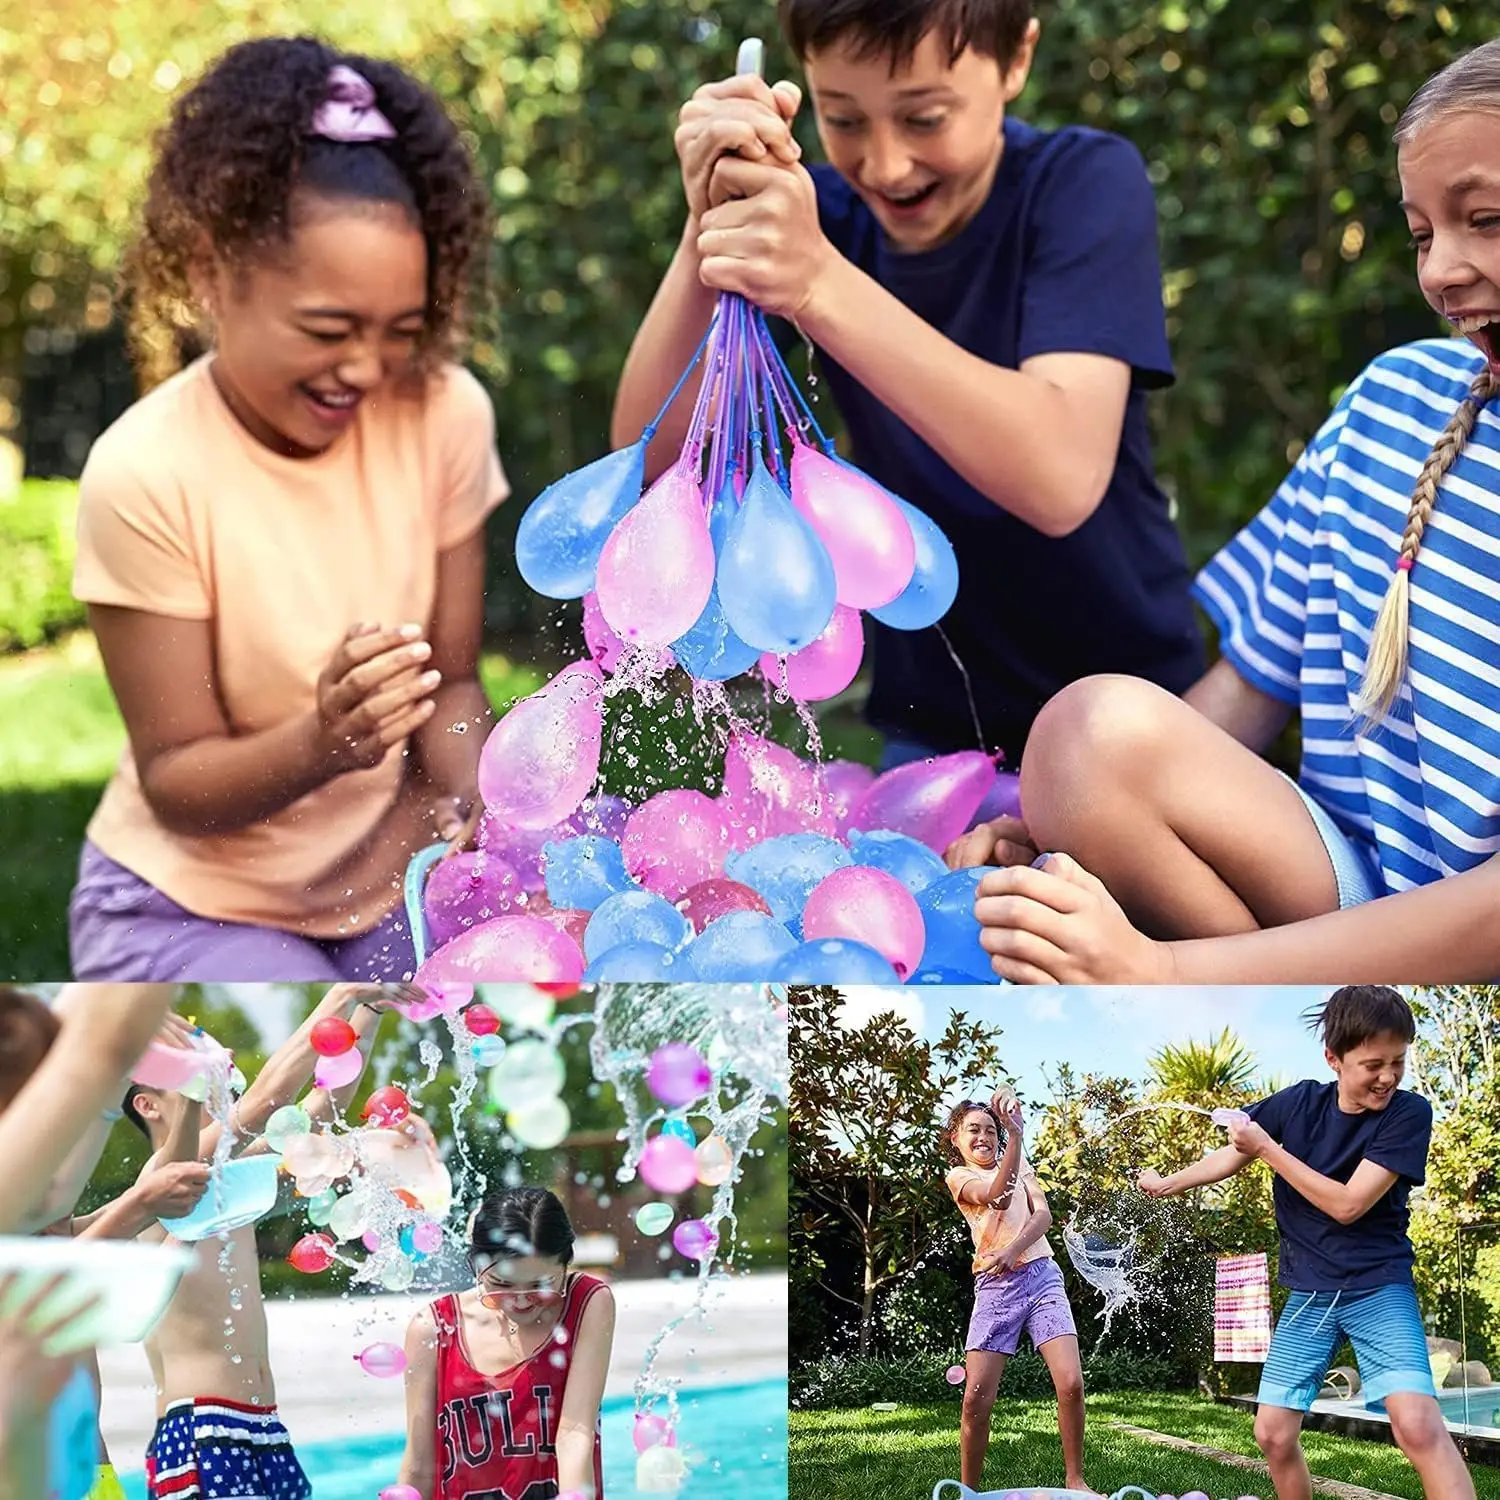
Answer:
(833, 961)
(639, 963)
(739, 948)
(711, 650)
(785, 869)
(776, 580)
(910, 861)
(946, 976)
(584, 872)
(934, 578)
(947, 908)
(635, 917)
(565, 528)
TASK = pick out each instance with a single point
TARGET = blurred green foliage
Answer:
(1266, 128)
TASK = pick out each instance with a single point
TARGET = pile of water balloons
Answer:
(756, 550)
(794, 873)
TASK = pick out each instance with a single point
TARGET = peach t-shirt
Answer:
(994, 1228)
(182, 513)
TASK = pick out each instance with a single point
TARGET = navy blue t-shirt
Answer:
(1062, 258)
(1318, 1254)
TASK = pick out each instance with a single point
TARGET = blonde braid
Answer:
(1385, 666)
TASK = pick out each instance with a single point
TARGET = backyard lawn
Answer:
(60, 736)
(901, 1455)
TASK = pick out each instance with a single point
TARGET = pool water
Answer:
(740, 1432)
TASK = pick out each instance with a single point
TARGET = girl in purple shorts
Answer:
(1017, 1285)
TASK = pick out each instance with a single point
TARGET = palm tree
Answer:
(1209, 1073)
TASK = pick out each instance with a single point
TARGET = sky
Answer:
(1114, 1031)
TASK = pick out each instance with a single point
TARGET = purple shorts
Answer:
(1028, 1300)
(121, 928)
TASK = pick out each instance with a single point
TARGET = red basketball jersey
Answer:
(497, 1434)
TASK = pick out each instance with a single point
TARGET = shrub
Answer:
(36, 563)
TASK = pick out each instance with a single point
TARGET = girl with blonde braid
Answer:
(1365, 596)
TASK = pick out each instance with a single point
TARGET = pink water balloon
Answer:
(512, 949)
(467, 888)
(650, 1431)
(678, 1074)
(868, 906)
(336, 1072)
(844, 782)
(657, 568)
(668, 1164)
(695, 1239)
(770, 791)
(427, 1236)
(954, 1375)
(824, 667)
(400, 1492)
(542, 758)
(932, 801)
(384, 1361)
(711, 899)
(604, 645)
(866, 535)
(674, 840)
(1002, 801)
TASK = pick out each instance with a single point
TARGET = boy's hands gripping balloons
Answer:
(372, 694)
(741, 115)
(1054, 923)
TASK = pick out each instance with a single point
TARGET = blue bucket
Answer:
(248, 1193)
(417, 870)
(951, 1489)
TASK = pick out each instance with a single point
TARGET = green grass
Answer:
(901, 1455)
(60, 736)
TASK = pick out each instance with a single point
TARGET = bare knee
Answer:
(1069, 1387)
(1090, 734)
(1420, 1430)
(979, 1402)
(1278, 1431)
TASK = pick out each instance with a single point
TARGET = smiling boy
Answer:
(985, 298)
(1346, 1155)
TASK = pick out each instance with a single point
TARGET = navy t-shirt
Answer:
(1318, 1254)
(1062, 258)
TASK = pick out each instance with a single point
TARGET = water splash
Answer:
(741, 1030)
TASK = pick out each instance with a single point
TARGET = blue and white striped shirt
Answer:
(1296, 593)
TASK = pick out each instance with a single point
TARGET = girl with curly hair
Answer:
(1017, 1285)
(282, 546)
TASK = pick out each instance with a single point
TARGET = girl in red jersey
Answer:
(504, 1379)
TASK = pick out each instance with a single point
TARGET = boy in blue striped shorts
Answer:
(1346, 1155)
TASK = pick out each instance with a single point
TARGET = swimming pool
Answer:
(1476, 1410)
(740, 1431)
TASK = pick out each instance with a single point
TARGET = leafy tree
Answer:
(865, 1158)
(1203, 1073)
(1456, 1218)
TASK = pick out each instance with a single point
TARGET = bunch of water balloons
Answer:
(757, 550)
